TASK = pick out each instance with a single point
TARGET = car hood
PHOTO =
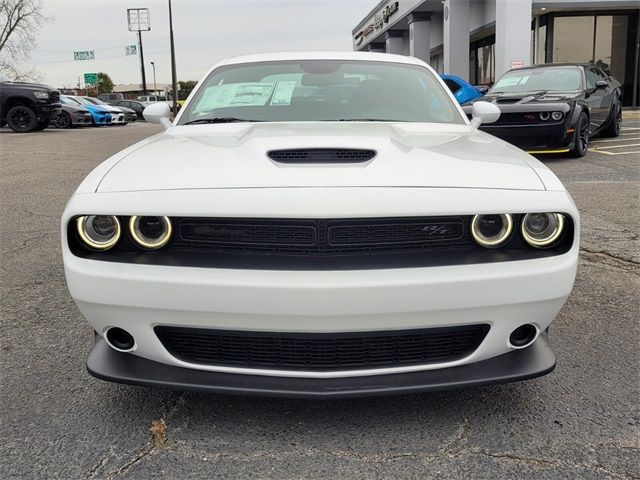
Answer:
(235, 156)
(531, 97)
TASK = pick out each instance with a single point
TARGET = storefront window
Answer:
(542, 45)
(611, 44)
(573, 39)
(485, 58)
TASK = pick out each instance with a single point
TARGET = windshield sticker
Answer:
(234, 95)
(510, 81)
(283, 93)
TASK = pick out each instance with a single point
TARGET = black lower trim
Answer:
(107, 364)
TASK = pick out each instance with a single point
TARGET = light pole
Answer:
(155, 88)
(174, 82)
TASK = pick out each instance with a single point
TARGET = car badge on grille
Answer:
(435, 230)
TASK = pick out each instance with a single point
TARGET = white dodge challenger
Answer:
(320, 225)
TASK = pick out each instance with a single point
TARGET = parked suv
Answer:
(26, 107)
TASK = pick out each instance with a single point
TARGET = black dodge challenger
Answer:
(555, 108)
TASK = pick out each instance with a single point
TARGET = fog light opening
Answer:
(523, 336)
(119, 339)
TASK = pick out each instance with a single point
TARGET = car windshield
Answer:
(69, 101)
(95, 101)
(534, 79)
(321, 90)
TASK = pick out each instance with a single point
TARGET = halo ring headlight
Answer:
(491, 231)
(544, 116)
(150, 232)
(557, 116)
(98, 232)
(542, 230)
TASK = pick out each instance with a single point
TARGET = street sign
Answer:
(84, 55)
(131, 50)
(90, 78)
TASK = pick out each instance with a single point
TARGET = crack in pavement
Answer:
(541, 462)
(158, 442)
(612, 260)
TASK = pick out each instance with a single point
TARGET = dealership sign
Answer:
(379, 21)
(84, 55)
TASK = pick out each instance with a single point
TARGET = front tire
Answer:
(615, 124)
(63, 120)
(22, 119)
(581, 142)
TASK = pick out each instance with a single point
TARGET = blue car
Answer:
(99, 114)
(461, 89)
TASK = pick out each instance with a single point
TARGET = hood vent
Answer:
(321, 155)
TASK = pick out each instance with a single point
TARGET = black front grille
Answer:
(54, 96)
(320, 237)
(321, 352)
(322, 155)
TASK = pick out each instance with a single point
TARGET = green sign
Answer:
(84, 55)
(131, 50)
(90, 78)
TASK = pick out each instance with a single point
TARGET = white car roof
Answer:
(346, 55)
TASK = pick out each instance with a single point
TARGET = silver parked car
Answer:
(73, 114)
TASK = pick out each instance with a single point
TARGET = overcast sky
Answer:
(205, 31)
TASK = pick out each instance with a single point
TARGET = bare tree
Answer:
(19, 22)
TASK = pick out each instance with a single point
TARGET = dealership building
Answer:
(479, 40)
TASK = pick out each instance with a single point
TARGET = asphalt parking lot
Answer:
(580, 422)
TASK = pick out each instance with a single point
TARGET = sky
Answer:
(205, 31)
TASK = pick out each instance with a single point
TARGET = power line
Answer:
(98, 49)
(94, 60)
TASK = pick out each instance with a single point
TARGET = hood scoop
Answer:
(321, 155)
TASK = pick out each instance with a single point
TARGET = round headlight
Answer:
(556, 116)
(544, 116)
(491, 230)
(542, 229)
(150, 232)
(98, 232)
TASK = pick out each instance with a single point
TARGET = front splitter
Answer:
(107, 364)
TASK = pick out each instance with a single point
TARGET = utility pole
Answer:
(139, 20)
(155, 87)
(174, 82)
(144, 77)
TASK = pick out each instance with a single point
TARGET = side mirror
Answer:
(484, 112)
(601, 84)
(158, 113)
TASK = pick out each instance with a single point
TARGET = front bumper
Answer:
(101, 118)
(81, 119)
(107, 364)
(48, 111)
(540, 139)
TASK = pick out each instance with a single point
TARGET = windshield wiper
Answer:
(219, 120)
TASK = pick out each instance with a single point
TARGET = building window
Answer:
(573, 39)
(486, 62)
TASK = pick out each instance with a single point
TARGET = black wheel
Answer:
(63, 120)
(41, 125)
(581, 142)
(615, 124)
(21, 119)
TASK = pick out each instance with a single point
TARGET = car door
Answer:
(597, 99)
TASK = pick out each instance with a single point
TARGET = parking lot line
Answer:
(618, 146)
(614, 153)
(617, 140)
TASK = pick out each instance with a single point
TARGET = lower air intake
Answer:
(321, 352)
